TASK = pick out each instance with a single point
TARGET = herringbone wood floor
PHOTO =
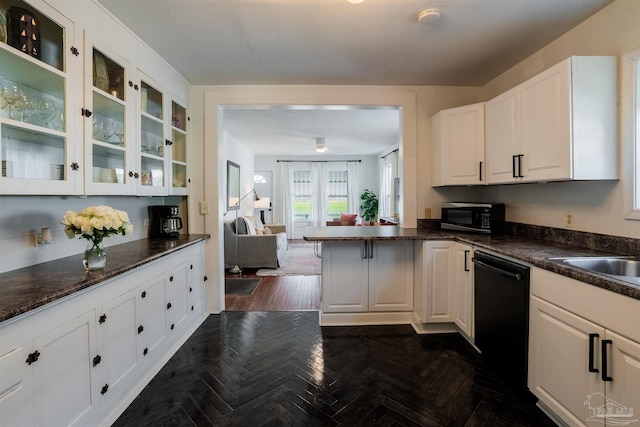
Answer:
(281, 368)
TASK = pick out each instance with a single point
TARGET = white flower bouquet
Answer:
(96, 222)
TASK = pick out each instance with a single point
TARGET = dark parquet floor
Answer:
(281, 368)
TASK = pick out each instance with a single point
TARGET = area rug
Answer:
(240, 286)
(299, 261)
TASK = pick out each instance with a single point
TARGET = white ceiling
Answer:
(377, 42)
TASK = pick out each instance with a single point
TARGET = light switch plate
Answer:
(204, 207)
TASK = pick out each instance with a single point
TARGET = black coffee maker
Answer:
(164, 221)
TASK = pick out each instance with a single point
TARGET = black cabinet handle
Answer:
(130, 83)
(513, 165)
(191, 308)
(466, 266)
(171, 279)
(143, 294)
(75, 166)
(75, 51)
(172, 326)
(481, 171)
(190, 289)
(168, 305)
(97, 360)
(85, 112)
(140, 329)
(104, 389)
(520, 156)
(592, 344)
(205, 278)
(605, 373)
(102, 319)
(145, 351)
(191, 267)
(136, 175)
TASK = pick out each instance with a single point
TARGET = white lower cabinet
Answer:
(367, 276)
(579, 368)
(67, 387)
(434, 291)
(463, 286)
(80, 360)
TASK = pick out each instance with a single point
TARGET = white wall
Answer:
(597, 206)
(241, 155)
(22, 216)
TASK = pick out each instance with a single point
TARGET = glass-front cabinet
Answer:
(153, 143)
(108, 125)
(37, 76)
(178, 142)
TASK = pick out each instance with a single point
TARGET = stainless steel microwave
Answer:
(475, 217)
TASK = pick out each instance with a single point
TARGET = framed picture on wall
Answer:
(233, 186)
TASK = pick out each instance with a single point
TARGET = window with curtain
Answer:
(302, 205)
(337, 193)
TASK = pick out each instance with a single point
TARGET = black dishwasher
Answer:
(501, 306)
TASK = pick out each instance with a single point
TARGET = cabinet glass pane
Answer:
(108, 120)
(23, 103)
(108, 75)
(151, 141)
(108, 164)
(179, 146)
(179, 176)
(178, 116)
(42, 38)
(152, 172)
(150, 100)
(32, 155)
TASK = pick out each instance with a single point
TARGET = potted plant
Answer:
(369, 206)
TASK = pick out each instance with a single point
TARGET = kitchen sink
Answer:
(621, 268)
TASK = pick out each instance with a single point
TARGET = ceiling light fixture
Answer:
(355, 1)
(428, 16)
(320, 147)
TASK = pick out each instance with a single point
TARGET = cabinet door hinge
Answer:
(75, 51)
(102, 319)
(97, 360)
(85, 112)
(33, 357)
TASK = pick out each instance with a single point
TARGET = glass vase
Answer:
(95, 256)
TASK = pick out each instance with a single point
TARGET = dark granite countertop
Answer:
(526, 249)
(28, 288)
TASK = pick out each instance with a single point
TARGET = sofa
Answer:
(254, 250)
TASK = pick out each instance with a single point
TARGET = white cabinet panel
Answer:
(391, 276)
(152, 311)
(458, 146)
(15, 387)
(559, 359)
(345, 277)
(65, 387)
(463, 288)
(177, 300)
(624, 369)
(434, 287)
(501, 142)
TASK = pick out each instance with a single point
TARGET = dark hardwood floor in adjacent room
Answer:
(281, 368)
(277, 293)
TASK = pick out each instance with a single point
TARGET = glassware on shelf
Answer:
(119, 132)
(108, 129)
(97, 129)
(11, 94)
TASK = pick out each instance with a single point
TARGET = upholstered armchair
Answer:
(254, 250)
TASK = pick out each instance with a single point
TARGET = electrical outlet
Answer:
(569, 219)
(204, 207)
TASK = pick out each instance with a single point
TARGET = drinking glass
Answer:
(11, 94)
(107, 129)
(119, 132)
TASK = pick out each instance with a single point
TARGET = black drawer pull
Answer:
(168, 305)
(97, 360)
(140, 329)
(592, 341)
(605, 373)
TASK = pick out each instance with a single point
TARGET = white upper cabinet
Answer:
(40, 154)
(458, 146)
(109, 132)
(77, 117)
(559, 125)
